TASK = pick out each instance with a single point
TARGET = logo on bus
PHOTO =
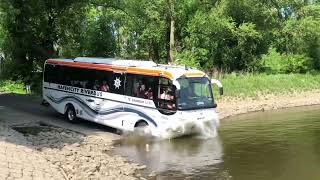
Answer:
(117, 83)
(80, 90)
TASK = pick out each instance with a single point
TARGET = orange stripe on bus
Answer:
(134, 70)
(194, 74)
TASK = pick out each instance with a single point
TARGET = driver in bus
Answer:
(187, 92)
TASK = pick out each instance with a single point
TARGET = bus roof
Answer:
(131, 66)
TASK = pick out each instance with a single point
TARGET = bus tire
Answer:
(141, 124)
(141, 128)
(70, 114)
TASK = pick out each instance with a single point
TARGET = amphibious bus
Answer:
(169, 101)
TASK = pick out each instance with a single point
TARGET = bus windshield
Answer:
(195, 93)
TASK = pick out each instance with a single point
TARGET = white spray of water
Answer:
(207, 130)
(203, 130)
(200, 129)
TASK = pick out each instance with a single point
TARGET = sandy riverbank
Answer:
(37, 143)
(231, 106)
(46, 152)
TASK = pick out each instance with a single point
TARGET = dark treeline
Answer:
(275, 36)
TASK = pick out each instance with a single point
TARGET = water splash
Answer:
(200, 129)
(207, 130)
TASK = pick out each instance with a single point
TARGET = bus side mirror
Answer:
(219, 84)
(221, 91)
(215, 105)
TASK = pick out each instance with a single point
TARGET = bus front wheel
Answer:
(71, 114)
(141, 124)
(141, 128)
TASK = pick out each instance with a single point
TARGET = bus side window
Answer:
(48, 73)
(166, 102)
(51, 73)
(141, 86)
(129, 85)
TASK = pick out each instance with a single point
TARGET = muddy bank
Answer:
(230, 106)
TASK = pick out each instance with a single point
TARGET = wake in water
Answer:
(183, 156)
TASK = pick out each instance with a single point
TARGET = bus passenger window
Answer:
(171, 105)
(141, 86)
(166, 102)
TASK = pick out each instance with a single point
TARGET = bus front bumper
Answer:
(183, 127)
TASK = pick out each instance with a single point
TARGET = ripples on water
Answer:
(271, 145)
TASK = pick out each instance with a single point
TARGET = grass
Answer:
(249, 85)
(12, 87)
(235, 85)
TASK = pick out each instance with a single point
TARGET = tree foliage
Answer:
(224, 35)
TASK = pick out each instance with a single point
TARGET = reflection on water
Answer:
(176, 158)
(271, 145)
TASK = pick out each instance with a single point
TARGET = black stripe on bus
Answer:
(109, 99)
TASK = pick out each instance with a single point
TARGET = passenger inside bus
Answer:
(167, 95)
(75, 83)
(149, 94)
(104, 86)
(141, 91)
(164, 95)
(84, 84)
(96, 85)
(171, 105)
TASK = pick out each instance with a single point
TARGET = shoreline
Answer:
(232, 106)
(70, 154)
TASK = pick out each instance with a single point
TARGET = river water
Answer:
(277, 145)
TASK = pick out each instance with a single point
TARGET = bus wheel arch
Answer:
(141, 123)
(70, 113)
(142, 128)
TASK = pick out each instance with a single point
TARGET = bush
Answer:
(12, 86)
(274, 62)
(11, 78)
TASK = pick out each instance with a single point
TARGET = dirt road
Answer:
(37, 143)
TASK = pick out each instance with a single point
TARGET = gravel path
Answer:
(19, 162)
(36, 143)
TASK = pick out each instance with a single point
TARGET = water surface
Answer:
(278, 145)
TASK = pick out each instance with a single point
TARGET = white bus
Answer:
(170, 101)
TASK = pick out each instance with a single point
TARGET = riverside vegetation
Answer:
(235, 85)
(12, 86)
(279, 36)
(259, 47)
(266, 53)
